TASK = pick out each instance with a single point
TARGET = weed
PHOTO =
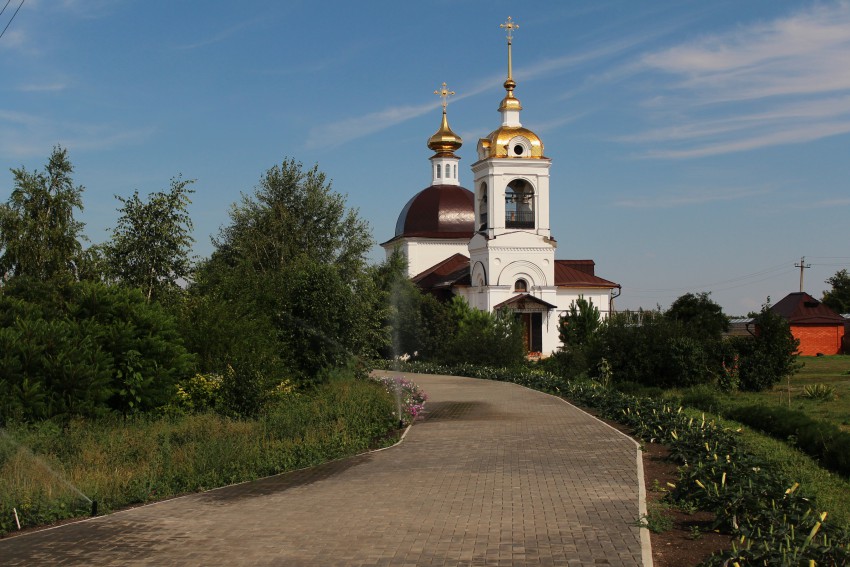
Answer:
(696, 533)
(657, 518)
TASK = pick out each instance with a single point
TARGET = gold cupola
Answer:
(510, 140)
(445, 142)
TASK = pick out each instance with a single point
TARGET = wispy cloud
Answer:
(348, 129)
(336, 133)
(780, 82)
(689, 197)
(25, 135)
(824, 204)
(220, 36)
(42, 87)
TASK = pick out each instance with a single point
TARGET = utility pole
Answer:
(802, 265)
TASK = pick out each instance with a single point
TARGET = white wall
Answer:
(423, 253)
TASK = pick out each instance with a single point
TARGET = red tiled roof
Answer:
(453, 270)
(579, 273)
(800, 308)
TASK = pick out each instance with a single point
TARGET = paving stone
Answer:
(492, 474)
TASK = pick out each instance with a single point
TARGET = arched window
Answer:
(521, 286)
(519, 204)
(482, 207)
(438, 171)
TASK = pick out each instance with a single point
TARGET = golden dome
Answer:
(514, 142)
(444, 141)
(510, 102)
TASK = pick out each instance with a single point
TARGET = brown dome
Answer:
(438, 211)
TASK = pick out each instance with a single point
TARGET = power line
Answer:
(12, 18)
(4, 7)
(774, 270)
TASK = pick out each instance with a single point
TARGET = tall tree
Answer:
(151, 244)
(701, 317)
(838, 298)
(291, 264)
(39, 236)
(294, 212)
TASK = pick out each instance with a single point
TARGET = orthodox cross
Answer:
(509, 25)
(444, 94)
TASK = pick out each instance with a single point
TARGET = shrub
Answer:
(482, 337)
(770, 355)
(659, 352)
(85, 348)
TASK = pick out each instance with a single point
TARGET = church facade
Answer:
(493, 245)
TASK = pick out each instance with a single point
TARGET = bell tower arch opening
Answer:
(519, 204)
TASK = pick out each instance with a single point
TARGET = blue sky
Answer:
(695, 146)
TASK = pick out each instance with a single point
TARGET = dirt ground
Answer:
(690, 541)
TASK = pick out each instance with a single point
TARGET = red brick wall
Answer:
(826, 340)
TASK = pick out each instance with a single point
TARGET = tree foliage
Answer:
(492, 339)
(699, 315)
(838, 298)
(657, 352)
(770, 355)
(39, 236)
(151, 243)
(85, 348)
(294, 213)
(578, 325)
(418, 323)
(287, 283)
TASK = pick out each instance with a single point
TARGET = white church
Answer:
(493, 246)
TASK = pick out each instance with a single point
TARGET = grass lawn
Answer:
(829, 370)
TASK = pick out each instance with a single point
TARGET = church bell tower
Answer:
(512, 250)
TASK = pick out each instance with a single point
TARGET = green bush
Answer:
(84, 349)
(770, 355)
(659, 352)
(494, 339)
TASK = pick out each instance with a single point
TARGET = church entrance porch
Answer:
(531, 312)
(532, 331)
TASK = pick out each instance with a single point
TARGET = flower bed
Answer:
(411, 400)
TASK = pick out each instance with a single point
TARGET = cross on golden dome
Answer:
(510, 25)
(444, 94)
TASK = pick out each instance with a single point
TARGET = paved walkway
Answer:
(494, 474)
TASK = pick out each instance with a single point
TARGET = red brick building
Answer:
(819, 329)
